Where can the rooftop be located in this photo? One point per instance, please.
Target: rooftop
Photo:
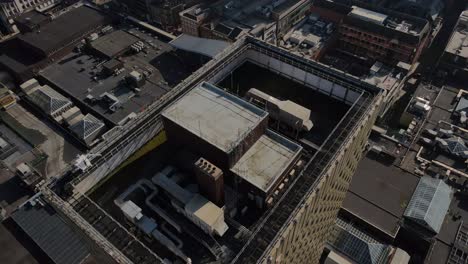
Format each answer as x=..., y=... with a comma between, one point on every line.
x=233, y=19
x=83, y=76
x=430, y=203
x=87, y=126
x=378, y=194
x=267, y=160
x=58, y=33
x=216, y=116
x=49, y=100
x=113, y=43
x=404, y=27
x=358, y=245
x=458, y=43
x=368, y=15
x=11, y=242
x=207, y=47
x=421, y=8
x=264, y=232
x=286, y=5
x=206, y=211
x=32, y=19
x=51, y=233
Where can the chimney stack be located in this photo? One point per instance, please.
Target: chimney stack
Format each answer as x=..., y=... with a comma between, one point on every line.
x=210, y=181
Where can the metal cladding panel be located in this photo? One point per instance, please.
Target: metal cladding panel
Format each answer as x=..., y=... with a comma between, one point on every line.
x=52, y=234
x=312, y=79
x=274, y=64
x=286, y=68
x=325, y=86
x=352, y=96
x=299, y=74
x=339, y=91
x=115, y=160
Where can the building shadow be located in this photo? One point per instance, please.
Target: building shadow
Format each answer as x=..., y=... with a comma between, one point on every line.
x=26, y=242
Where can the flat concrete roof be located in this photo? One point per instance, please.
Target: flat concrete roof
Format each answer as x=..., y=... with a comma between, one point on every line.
x=267, y=160
x=217, y=117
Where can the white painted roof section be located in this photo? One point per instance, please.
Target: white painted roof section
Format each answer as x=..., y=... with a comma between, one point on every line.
x=204, y=46
x=368, y=15
x=219, y=118
x=267, y=160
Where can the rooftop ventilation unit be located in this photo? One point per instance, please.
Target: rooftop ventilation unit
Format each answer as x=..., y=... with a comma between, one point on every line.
x=294, y=115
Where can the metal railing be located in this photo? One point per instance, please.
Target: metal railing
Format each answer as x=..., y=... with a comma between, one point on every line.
x=84, y=225
x=130, y=235
x=152, y=116
x=274, y=223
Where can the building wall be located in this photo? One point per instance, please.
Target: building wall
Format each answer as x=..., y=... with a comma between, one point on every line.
x=354, y=37
x=9, y=10
x=180, y=137
x=305, y=237
x=375, y=46
x=139, y=8
x=190, y=26
x=167, y=15
x=456, y=68
x=288, y=18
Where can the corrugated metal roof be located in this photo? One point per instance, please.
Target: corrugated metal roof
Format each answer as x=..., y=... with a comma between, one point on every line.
x=51, y=233
x=207, y=47
x=430, y=203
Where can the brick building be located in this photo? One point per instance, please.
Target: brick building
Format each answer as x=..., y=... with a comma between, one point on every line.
x=381, y=35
